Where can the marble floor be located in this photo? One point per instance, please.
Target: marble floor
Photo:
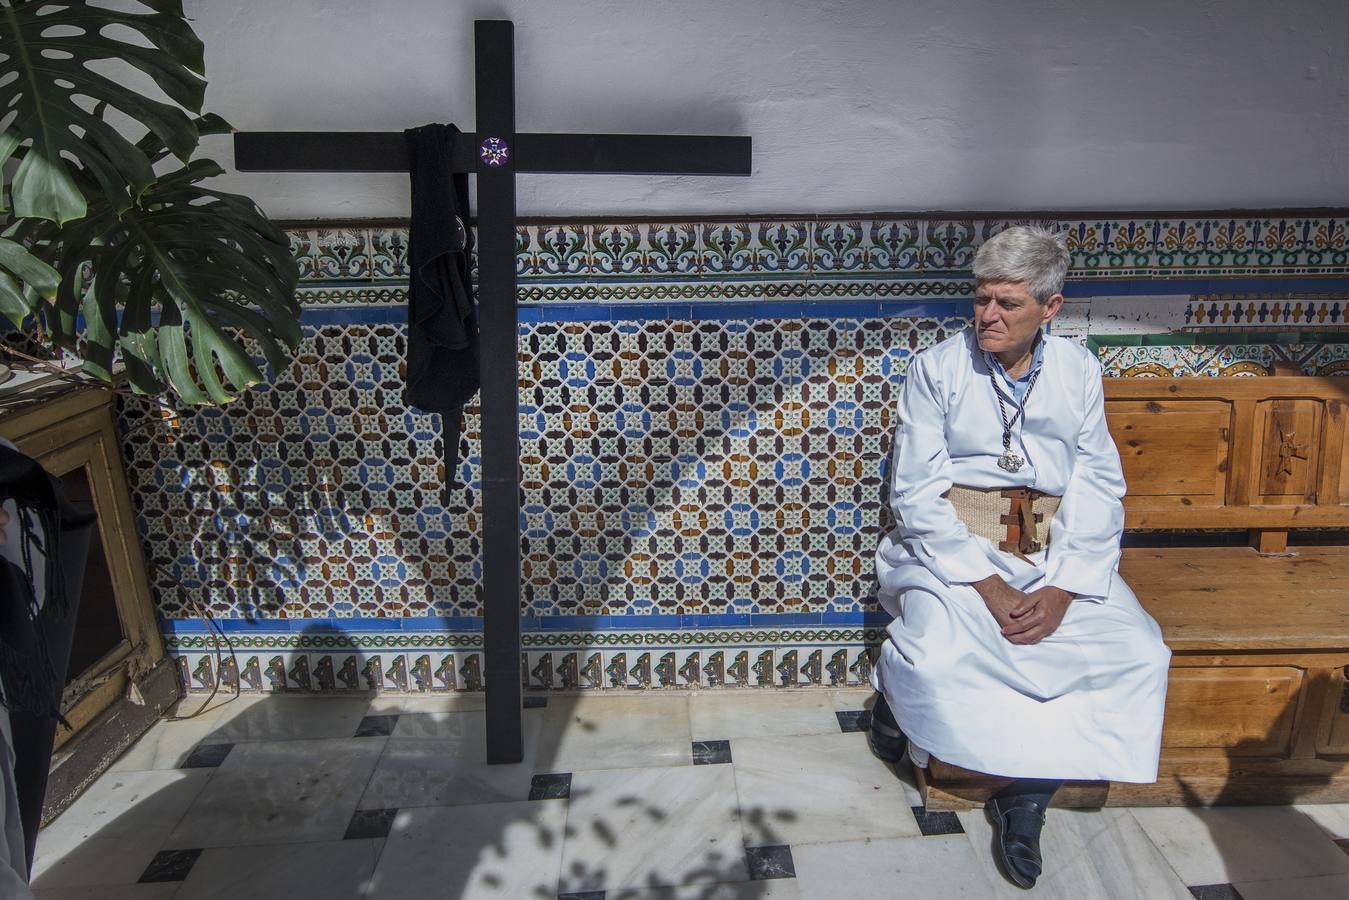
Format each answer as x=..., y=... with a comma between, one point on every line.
x=734, y=794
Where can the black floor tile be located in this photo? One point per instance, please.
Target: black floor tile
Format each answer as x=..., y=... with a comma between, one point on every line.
x=1344, y=845
x=770, y=862
x=583, y=895
x=170, y=865
x=370, y=823
x=376, y=726
x=550, y=787
x=536, y=701
x=938, y=822
x=206, y=756
x=1214, y=892
x=710, y=752
x=854, y=719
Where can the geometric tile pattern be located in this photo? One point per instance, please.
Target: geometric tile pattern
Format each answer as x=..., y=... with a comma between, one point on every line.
x=667, y=467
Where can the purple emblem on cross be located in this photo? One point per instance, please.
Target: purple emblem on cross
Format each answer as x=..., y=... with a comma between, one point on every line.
x=494, y=151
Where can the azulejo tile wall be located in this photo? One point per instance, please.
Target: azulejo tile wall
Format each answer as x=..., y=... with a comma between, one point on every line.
x=705, y=410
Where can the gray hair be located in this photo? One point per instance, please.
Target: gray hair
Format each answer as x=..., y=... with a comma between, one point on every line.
x=1025, y=253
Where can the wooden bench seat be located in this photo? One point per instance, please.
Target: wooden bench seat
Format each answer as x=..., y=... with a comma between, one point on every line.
x=1257, y=708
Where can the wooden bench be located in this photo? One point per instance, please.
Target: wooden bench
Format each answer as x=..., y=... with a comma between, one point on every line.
x=1258, y=705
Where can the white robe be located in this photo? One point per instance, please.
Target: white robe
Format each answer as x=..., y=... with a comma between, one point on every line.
x=1084, y=703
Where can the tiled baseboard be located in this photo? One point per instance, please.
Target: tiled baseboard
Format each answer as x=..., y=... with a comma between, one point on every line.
x=444, y=663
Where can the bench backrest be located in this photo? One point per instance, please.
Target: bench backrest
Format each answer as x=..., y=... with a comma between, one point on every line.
x=1257, y=453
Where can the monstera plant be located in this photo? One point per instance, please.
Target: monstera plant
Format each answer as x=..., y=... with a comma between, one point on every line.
x=115, y=250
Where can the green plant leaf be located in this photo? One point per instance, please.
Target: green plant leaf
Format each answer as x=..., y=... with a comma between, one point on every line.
x=29, y=269
x=209, y=264
x=43, y=73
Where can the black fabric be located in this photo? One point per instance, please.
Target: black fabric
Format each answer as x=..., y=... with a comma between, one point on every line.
x=35, y=642
x=30, y=681
x=443, y=354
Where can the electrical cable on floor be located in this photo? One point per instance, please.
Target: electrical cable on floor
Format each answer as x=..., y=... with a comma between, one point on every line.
x=214, y=629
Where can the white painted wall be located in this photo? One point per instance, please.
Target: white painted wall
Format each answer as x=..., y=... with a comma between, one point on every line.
x=853, y=106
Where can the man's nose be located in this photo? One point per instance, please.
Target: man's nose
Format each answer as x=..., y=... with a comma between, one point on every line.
x=988, y=314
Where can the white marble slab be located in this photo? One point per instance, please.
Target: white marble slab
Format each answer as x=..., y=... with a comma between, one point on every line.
x=1332, y=817
x=446, y=702
x=1323, y=887
x=1087, y=854
x=772, y=889
x=498, y=850
x=853, y=698
x=722, y=715
x=440, y=759
x=940, y=866
x=333, y=870
x=282, y=717
x=161, y=891
x=112, y=831
x=657, y=827
x=1241, y=843
x=582, y=732
x=171, y=740
x=280, y=792
x=818, y=788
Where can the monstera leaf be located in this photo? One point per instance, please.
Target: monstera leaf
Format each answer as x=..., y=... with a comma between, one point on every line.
x=190, y=269
x=49, y=86
x=108, y=259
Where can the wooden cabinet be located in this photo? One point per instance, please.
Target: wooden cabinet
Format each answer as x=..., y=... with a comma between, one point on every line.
x=73, y=435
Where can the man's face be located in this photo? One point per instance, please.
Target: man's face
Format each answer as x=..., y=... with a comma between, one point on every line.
x=1007, y=315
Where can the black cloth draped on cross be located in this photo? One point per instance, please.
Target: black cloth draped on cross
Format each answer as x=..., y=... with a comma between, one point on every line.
x=442, y=360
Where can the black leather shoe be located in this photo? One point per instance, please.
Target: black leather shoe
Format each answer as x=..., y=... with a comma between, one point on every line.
x=1016, y=831
x=887, y=742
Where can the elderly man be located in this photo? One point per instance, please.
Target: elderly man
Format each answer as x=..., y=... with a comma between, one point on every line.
x=1016, y=649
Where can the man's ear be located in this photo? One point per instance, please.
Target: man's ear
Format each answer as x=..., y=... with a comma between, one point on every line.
x=1051, y=309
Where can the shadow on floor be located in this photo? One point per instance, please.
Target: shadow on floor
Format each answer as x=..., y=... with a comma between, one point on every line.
x=368, y=796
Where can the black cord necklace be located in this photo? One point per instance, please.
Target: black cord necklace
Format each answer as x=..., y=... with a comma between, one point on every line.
x=1009, y=461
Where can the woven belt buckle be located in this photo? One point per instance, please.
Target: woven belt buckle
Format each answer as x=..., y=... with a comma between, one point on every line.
x=1020, y=519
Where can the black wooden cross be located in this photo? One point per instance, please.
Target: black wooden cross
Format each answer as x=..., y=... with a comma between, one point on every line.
x=495, y=153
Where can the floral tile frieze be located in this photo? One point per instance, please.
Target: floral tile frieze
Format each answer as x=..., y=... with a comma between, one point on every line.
x=855, y=247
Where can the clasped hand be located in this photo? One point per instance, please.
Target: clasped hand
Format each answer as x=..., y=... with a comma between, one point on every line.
x=1025, y=618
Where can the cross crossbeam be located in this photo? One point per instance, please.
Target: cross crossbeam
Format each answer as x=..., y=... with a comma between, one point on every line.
x=495, y=153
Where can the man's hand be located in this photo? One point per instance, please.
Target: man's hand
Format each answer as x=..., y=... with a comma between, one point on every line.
x=1038, y=616
x=1001, y=599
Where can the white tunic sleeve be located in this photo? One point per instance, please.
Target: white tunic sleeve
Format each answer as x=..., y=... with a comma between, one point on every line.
x=1084, y=549
x=921, y=474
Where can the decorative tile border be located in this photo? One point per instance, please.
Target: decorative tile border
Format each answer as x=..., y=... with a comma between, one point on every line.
x=1233, y=311
x=1221, y=354
x=449, y=663
x=1102, y=248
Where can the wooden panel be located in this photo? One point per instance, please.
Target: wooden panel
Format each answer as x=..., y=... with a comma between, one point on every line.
x=1243, y=711
x=1334, y=487
x=1183, y=515
x=1289, y=442
x=1203, y=388
x=1337, y=732
x=1232, y=598
x=1172, y=449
